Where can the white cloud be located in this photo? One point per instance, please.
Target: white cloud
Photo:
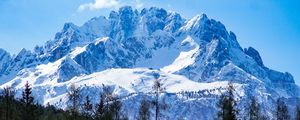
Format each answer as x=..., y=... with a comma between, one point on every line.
x=99, y=4
x=138, y=4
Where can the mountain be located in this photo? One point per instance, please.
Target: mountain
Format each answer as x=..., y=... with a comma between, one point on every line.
x=5, y=59
x=194, y=59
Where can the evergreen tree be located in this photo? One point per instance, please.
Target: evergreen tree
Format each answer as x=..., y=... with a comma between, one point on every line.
x=297, y=117
x=103, y=111
x=100, y=112
x=87, y=108
x=115, y=109
x=282, y=112
x=109, y=106
x=227, y=105
x=49, y=113
x=25, y=109
x=2, y=114
x=74, y=97
x=144, y=112
x=254, y=109
x=8, y=98
x=10, y=108
x=28, y=104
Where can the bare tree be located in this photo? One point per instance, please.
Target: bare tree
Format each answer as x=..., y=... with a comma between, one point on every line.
x=74, y=97
x=158, y=89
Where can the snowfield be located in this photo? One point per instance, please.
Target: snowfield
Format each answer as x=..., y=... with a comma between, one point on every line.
x=127, y=81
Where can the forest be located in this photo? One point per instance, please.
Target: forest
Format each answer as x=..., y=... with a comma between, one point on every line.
x=110, y=107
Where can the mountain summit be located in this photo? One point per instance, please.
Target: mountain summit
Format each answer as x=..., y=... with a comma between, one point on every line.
x=126, y=50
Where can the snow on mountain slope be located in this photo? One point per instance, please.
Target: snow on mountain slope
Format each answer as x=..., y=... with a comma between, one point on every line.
x=25, y=59
x=198, y=56
x=50, y=73
x=186, y=56
x=127, y=82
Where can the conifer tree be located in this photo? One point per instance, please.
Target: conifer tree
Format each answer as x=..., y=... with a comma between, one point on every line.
x=49, y=113
x=87, y=108
x=297, y=117
x=100, y=108
x=144, y=110
x=8, y=97
x=254, y=109
x=28, y=104
x=282, y=112
x=109, y=106
x=115, y=108
x=2, y=114
x=227, y=105
x=103, y=111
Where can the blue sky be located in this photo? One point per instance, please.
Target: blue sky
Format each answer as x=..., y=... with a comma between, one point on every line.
x=270, y=26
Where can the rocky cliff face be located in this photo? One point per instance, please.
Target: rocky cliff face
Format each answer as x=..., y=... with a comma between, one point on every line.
x=5, y=59
x=197, y=51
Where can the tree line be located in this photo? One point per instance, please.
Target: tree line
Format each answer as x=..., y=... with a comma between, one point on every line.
x=25, y=108
x=228, y=109
x=109, y=106
x=79, y=107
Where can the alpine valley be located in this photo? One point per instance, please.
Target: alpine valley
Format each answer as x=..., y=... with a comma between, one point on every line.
x=194, y=59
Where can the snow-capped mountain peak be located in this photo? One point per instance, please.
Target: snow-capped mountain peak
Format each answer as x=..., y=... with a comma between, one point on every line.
x=124, y=51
